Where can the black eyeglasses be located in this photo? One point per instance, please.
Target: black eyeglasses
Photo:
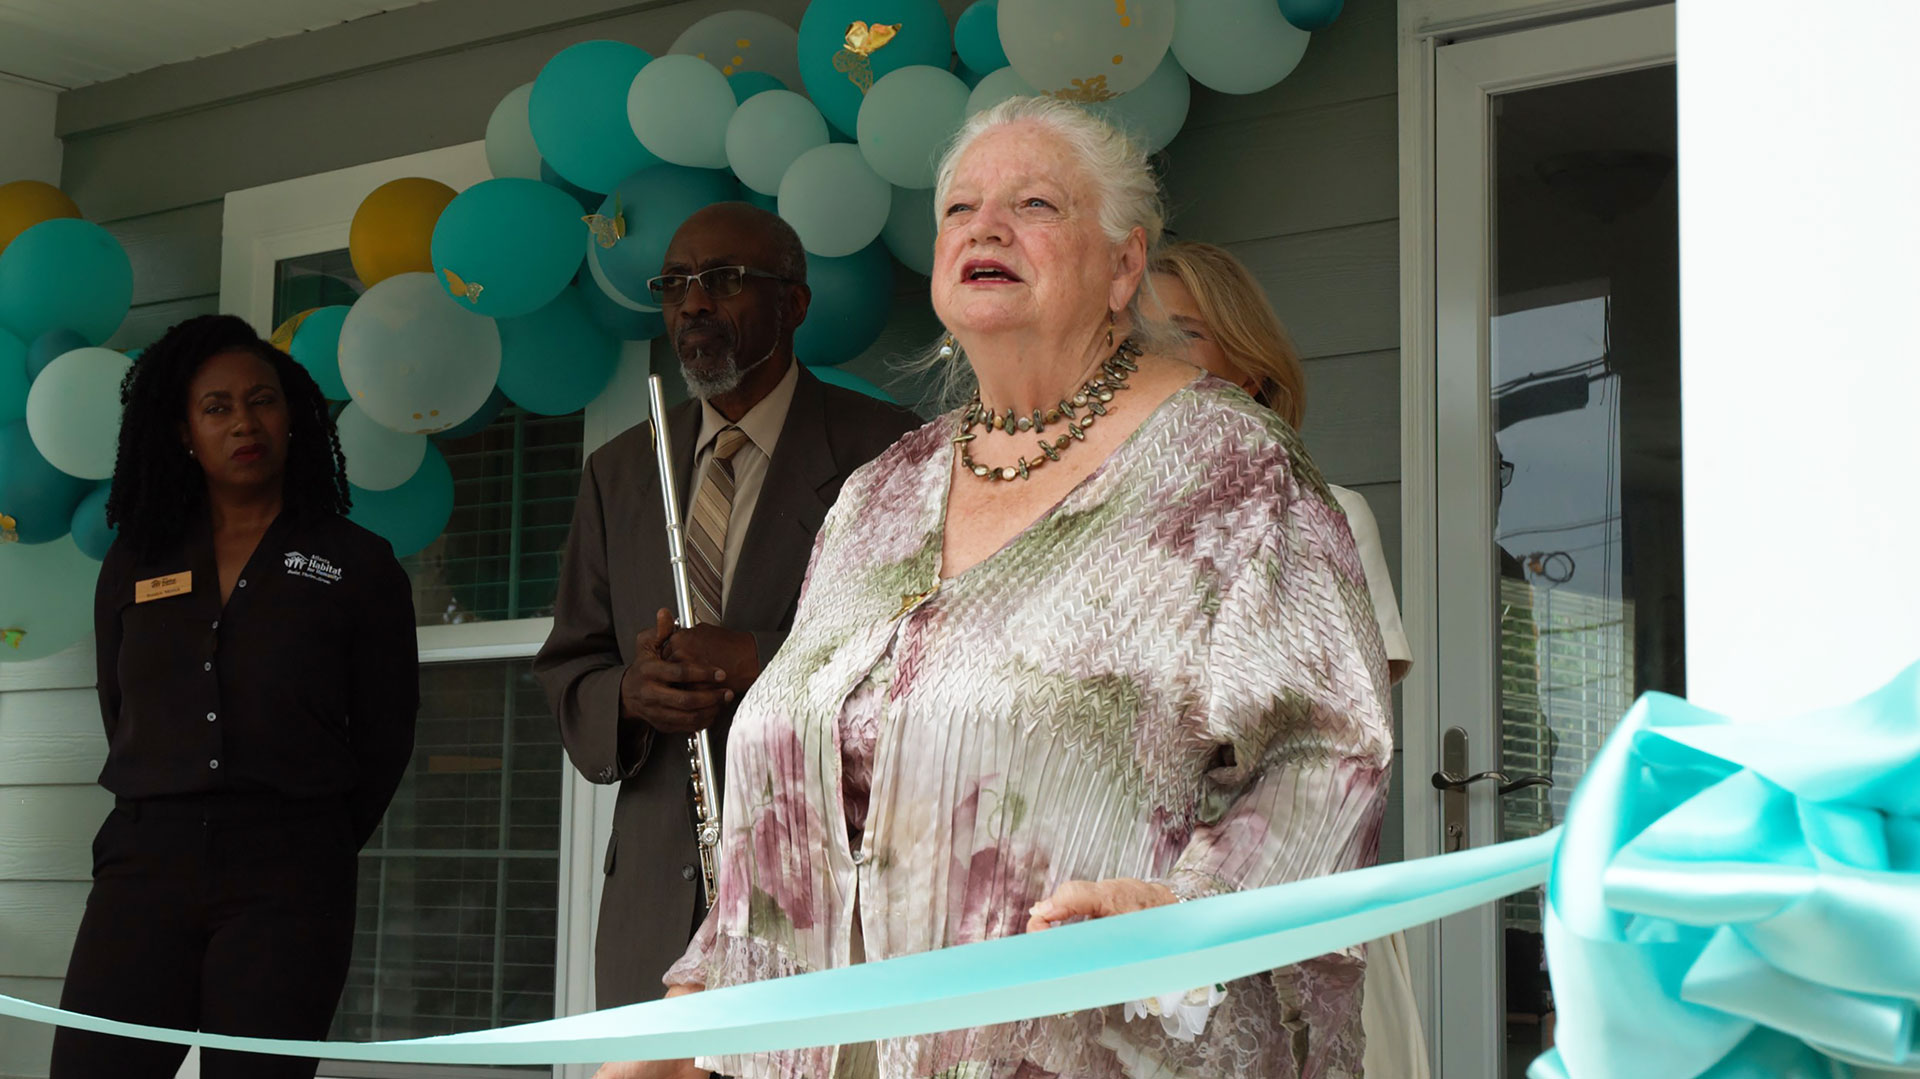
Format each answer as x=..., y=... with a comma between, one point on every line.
x=719, y=282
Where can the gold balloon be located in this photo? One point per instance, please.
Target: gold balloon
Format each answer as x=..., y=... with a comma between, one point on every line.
x=26, y=203
x=392, y=231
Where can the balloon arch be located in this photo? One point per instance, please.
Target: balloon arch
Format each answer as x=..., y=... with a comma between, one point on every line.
x=522, y=287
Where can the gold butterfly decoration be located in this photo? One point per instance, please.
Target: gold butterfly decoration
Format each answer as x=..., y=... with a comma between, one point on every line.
x=464, y=290
x=13, y=635
x=864, y=40
x=9, y=529
x=608, y=231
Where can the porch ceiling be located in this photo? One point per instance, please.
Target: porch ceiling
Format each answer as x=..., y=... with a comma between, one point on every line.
x=69, y=43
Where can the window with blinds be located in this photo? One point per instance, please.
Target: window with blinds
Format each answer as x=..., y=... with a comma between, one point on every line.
x=459, y=888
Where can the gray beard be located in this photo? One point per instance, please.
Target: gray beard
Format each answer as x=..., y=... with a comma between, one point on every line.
x=726, y=374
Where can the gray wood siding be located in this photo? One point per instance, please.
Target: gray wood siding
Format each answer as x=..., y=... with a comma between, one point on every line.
x=1299, y=181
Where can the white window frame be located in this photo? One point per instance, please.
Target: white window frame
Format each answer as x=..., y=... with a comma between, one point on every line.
x=308, y=215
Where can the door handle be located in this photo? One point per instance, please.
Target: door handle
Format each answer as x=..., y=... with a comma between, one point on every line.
x=1452, y=781
x=1447, y=781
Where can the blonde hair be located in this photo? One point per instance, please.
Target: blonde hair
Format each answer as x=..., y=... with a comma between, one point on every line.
x=1242, y=322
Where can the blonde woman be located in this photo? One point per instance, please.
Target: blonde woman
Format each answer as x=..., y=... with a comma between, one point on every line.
x=1233, y=333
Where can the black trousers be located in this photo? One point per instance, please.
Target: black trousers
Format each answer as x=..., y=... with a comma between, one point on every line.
x=232, y=915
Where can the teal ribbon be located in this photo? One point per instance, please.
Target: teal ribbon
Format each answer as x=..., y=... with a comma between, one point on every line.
x=1740, y=899
x=1074, y=967
x=1729, y=901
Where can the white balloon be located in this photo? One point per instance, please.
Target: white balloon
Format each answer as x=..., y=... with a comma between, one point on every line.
x=73, y=411
x=834, y=200
x=911, y=229
x=510, y=148
x=1154, y=111
x=907, y=118
x=998, y=86
x=1086, y=50
x=378, y=458
x=1237, y=46
x=736, y=41
x=768, y=132
x=414, y=359
x=679, y=107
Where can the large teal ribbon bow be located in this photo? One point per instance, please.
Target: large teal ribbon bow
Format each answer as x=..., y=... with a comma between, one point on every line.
x=1740, y=899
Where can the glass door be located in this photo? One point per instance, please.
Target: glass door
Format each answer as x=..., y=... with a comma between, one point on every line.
x=1557, y=423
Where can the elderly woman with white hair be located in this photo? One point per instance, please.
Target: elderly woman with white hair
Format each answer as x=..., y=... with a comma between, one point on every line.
x=1097, y=641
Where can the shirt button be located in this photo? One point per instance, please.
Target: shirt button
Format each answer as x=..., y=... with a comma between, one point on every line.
x=860, y=858
x=213, y=764
x=686, y=872
x=207, y=666
x=216, y=623
x=243, y=582
x=210, y=717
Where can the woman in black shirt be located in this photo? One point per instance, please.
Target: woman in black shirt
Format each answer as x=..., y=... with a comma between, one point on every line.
x=258, y=679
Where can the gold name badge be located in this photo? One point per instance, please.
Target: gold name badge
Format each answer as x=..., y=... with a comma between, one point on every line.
x=173, y=584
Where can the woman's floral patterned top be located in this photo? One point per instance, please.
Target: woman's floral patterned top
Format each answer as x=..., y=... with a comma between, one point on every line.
x=1174, y=674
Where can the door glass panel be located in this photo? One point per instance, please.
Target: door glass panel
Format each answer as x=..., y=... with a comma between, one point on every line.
x=1585, y=350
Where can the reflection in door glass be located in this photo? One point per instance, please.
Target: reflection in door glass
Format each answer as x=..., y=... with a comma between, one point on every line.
x=1586, y=407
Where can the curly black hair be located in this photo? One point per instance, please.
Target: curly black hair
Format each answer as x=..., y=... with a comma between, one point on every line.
x=157, y=488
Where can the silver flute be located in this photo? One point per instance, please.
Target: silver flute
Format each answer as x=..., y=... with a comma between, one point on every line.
x=706, y=796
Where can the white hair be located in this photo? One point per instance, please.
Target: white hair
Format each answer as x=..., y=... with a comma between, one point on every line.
x=1126, y=195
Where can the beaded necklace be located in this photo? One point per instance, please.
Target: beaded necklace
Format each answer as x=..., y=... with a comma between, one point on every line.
x=1093, y=396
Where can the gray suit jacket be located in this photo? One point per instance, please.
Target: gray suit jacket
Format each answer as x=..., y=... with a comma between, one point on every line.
x=614, y=577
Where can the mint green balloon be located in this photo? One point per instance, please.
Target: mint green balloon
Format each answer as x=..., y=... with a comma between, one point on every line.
x=768, y=132
x=1153, y=112
x=46, y=594
x=911, y=229
x=998, y=86
x=834, y=200
x=1237, y=46
x=511, y=150
x=907, y=119
x=679, y=107
x=73, y=411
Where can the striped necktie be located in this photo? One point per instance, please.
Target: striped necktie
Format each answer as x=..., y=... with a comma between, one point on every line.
x=707, y=527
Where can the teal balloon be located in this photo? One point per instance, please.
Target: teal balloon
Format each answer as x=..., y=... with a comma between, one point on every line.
x=14, y=380
x=829, y=70
x=412, y=515
x=1153, y=112
x=477, y=422
x=655, y=202
x=911, y=229
x=91, y=533
x=39, y=497
x=578, y=113
x=976, y=36
x=621, y=323
x=852, y=297
x=834, y=200
x=511, y=150
x=316, y=347
x=46, y=592
x=506, y=248
x=588, y=200
x=969, y=76
x=1236, y=46
x=767, y=135
x=49, y=347
x=65, y=274
x=906, y=122
x=679, y=107
x=846, y=380
x=557, y=359
x=1311, y=15
x=748, y=83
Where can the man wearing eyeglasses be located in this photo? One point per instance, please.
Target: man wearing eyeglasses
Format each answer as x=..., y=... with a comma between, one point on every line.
x=763, y=448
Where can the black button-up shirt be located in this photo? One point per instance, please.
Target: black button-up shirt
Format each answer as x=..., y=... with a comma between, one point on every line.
x=305, y=685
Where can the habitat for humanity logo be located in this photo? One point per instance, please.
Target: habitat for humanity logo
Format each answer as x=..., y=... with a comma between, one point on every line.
x=312, y=567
